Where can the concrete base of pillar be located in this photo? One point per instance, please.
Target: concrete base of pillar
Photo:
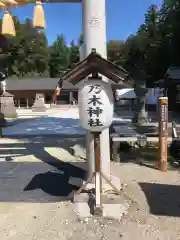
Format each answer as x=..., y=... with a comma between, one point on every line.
x=83, y=208
x=106, y=187
x=115, y=181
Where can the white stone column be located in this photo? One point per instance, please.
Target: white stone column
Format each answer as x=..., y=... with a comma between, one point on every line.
x=27, y=103
x=89, y=136
x=19, y=103
x=94, y=33
x=70, y=97
x=82, y=52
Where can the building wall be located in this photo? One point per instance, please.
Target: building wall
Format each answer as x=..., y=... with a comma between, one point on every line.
x=27, y=97
x=128, y=93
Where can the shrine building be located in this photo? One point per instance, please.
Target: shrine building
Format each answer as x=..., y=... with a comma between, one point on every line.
x=25, y=89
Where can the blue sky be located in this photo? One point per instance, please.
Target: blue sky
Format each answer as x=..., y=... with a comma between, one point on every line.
x=123, y=18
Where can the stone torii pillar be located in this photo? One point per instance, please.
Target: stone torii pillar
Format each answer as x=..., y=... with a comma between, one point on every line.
x=94, y=33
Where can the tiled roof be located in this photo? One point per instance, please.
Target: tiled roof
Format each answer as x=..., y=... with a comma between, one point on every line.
x=35, y=84
x=22, y=84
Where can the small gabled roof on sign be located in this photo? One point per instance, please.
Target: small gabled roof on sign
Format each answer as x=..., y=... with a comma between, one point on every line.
x=95, y=63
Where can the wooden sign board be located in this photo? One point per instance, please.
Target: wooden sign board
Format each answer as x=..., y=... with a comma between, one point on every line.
x=163, y=133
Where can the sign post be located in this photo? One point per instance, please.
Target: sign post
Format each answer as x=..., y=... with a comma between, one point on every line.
x=98, y=180
x=95, y=100
x=163, y=133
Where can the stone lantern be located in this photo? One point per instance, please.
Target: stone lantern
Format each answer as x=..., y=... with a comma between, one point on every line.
x=140, y=116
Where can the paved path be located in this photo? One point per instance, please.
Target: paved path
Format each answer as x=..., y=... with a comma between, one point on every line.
x=54, y=122
x=36, y=186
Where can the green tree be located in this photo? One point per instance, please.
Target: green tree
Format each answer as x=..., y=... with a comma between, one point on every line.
x=115, y=52
x=81, y=40
x=28, y=51
x=140, y=53
x=73, y=54
x=58, y=57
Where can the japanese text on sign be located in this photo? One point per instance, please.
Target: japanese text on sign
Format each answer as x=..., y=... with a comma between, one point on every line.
x=94, y=103
x=163, y=149
x=164, y=113
x=94, y=22
x=163, y=133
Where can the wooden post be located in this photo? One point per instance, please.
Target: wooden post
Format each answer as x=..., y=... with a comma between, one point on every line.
x=163, y=133
x=98, y=179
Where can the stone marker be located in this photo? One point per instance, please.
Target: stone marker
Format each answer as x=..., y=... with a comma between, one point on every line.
x=7, y=105
x=39, y=105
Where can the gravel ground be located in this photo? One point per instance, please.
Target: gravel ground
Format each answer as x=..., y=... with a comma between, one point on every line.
x=33, y=200
x=35, y=194
x=40, y=212
x=156, y=210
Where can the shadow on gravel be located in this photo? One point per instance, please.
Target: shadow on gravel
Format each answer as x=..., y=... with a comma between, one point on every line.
x=55, y=183
x=47, y=180
x=163, y=199
x=58, y=184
